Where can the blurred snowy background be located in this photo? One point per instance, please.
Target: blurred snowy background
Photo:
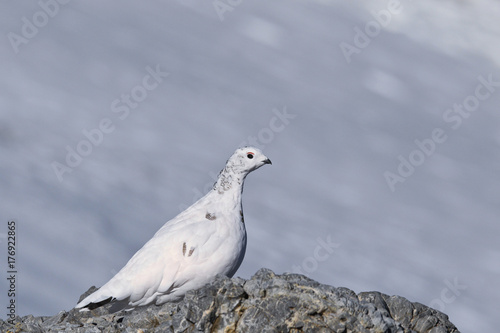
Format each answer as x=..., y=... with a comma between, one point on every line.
x=335, y=92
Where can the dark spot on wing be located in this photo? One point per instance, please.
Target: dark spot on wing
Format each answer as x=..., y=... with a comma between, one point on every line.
x=184, y=248
x=210, y=217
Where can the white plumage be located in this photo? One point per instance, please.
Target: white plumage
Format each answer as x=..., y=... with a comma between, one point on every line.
x=206, y=239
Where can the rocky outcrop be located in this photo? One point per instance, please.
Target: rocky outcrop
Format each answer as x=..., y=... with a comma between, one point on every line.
x=265, y=303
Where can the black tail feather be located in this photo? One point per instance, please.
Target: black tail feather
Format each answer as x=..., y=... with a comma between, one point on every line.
x=92, y=306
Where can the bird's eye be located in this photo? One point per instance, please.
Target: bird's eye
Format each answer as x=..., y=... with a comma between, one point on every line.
x=250, y=155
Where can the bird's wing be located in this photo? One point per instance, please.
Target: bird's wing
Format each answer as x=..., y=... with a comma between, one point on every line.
x=158, y=267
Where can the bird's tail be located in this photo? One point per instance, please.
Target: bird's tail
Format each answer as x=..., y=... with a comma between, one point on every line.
x=99, y=298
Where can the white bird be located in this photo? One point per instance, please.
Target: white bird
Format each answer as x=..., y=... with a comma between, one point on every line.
x=206, y=239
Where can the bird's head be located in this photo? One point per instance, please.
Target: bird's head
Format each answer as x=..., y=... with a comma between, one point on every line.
x=247, y=159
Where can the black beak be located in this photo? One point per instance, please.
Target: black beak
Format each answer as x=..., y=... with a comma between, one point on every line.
x=267, y=161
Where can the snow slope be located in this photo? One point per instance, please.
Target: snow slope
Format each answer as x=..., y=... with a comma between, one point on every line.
x=168, y=83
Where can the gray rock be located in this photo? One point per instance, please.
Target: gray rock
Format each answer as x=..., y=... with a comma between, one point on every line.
x=265, y=303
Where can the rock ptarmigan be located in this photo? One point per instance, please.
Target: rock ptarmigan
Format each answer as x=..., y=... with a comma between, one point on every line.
x=206, y=239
